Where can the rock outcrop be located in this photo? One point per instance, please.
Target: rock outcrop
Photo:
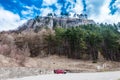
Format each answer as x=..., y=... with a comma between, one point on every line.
x=52, y=22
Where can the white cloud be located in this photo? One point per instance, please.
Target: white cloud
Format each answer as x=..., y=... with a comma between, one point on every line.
x=105, y=15
x=31, y=7
x=49, y=2
x=75, y=7
x=58, y=11
x=9, y=20
x=93, y=6
x=26, y=12
x=78, y=7
x=29, y=12
x=117, y=4
x=45, y=11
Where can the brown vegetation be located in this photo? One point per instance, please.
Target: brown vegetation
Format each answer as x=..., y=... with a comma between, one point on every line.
x=25, y=44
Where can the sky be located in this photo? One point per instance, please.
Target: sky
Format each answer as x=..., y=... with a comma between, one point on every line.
x=14, y=13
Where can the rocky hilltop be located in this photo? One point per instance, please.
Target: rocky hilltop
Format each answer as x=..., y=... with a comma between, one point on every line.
x=52, y=22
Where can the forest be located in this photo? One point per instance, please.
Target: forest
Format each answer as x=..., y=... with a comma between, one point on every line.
x=86, y=42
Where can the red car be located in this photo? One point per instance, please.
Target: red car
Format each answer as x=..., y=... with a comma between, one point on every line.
x=59, y=71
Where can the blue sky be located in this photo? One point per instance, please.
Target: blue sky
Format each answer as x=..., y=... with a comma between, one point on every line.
x=15, y=12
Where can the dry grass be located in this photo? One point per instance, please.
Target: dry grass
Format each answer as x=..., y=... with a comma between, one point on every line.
x=56, y=62
x=10, y=50
x=24, y=44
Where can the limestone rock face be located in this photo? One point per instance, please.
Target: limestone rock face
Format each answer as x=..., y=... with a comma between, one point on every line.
x=52, y=22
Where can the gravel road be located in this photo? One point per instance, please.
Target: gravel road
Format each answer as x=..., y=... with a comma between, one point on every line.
x=76, y=76
x=19, y=72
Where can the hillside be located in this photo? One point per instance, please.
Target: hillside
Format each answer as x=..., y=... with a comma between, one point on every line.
x=84, y=42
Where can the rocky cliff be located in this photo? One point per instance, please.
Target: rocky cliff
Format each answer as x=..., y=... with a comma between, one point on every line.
x=52, y=22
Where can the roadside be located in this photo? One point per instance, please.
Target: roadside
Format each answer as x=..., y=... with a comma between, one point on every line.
x=76, y=76
x=9, y=68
